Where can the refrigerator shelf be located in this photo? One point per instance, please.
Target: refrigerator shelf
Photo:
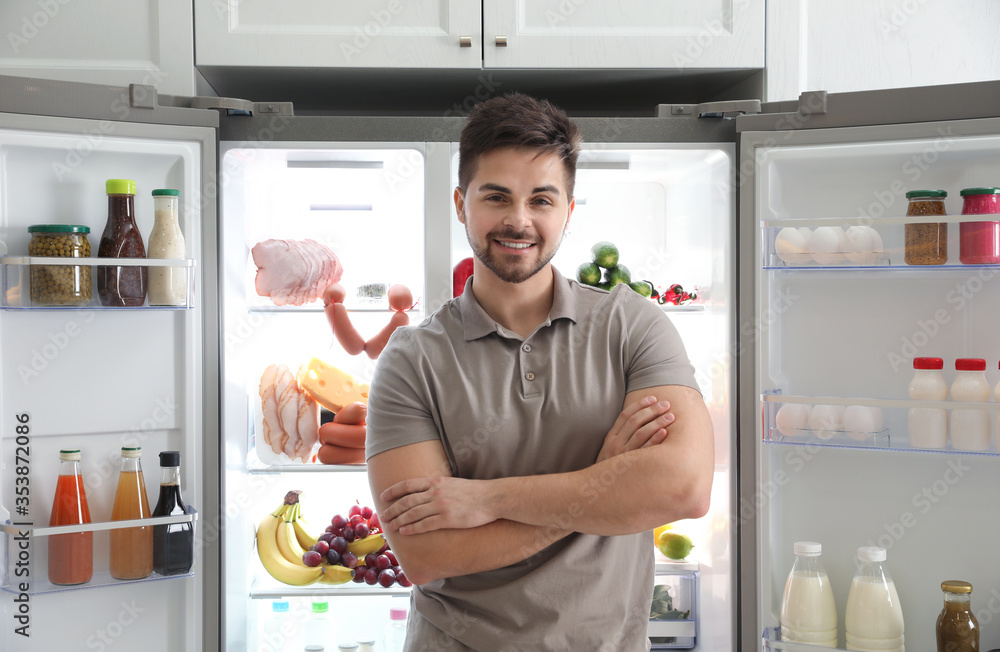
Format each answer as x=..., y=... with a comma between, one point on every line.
x=771, y=640
x=16, y=278
x=347, y=590
x=23, y=551
x=884, y=428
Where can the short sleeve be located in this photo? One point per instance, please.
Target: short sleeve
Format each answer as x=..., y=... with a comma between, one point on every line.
x=399, y=411
x=656, y=353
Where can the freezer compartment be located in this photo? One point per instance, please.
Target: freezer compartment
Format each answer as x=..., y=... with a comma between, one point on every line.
x=673, y=622
x=880, y=423
x=35, y=282
x=26, y=553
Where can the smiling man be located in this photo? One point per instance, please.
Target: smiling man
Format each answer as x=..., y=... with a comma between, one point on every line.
x=525, y=438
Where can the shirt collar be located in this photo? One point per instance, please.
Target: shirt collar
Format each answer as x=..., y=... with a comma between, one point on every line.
x=478, y=324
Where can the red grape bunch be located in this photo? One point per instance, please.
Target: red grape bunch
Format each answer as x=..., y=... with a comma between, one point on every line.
x=342, y=540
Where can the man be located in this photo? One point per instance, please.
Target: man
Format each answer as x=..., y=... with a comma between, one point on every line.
x=517, y=438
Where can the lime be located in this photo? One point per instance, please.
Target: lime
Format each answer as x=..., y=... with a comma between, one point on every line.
x=662, y=528
x=619, y=274
x=605, y=286
x=605, y=254
x=642, y=287
x=674, y=545
x=588, y=274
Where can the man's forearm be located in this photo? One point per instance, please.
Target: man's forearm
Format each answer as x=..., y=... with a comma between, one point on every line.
x=448, y=553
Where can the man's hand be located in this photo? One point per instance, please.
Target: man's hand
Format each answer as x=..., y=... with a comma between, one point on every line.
x=421, y=505
x=640, y=424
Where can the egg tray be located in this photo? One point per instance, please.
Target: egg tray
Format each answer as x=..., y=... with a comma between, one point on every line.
x=876, y=439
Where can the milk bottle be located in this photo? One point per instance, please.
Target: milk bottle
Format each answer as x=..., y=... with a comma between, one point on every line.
x=970, y=429
x=874, y=618
x=928, y=427
x=808, y=611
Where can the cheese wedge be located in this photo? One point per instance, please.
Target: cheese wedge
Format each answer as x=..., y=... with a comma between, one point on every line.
x=331, y=387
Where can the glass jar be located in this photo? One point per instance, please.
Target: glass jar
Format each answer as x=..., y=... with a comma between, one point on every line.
x=926, y=241
x=980, y=241
x=957, y=627
x=60, y=285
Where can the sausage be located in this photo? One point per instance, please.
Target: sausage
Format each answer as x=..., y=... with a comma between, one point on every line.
x=346, y=334
x=331, y=316
x=353, y=413
x=329, y=454
x=343, y=434
x=400, y=297
x=334, y=293
x=374, y=346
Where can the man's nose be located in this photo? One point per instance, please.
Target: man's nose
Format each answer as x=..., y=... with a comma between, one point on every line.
x=518, y=216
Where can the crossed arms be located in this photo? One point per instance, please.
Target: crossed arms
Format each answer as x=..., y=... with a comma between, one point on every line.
x=440, y=526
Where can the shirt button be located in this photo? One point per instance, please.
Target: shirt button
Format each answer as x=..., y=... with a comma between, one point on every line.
x=529, y=376
x=526, y=348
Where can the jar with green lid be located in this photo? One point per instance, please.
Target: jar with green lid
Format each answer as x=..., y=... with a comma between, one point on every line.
x=59, y=285
x=979, y=242
x=926, y=240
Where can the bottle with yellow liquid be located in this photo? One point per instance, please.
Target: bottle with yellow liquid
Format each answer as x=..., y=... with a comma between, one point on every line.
x=131, y=548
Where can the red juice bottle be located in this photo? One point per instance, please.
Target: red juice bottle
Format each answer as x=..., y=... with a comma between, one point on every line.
x=71, y=556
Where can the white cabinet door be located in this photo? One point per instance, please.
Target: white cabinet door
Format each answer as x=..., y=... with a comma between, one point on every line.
x=113, y=43
x=339, y=34
x=623, y=34
x=858, y=45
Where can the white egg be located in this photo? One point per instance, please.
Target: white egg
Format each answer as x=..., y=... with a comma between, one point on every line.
x=828, y=244
x=792, y=245
x=826, y=421
x=792, y=419
x=876, y=240
x=859, y=422
x=859, y=245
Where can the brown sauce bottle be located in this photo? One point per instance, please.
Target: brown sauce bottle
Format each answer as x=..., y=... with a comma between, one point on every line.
x=957, y=628
x=121, y=286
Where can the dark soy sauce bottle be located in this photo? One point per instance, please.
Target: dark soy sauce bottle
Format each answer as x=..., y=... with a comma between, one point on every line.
x=173, y=545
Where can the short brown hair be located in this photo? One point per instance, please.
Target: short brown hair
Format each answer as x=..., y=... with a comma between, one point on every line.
x=517, y=120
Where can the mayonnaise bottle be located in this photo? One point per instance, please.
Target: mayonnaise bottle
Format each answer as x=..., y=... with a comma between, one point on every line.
x=928, y=426
x=167, y=285
x=874, y=617
x=808, y=611
x=970, y=429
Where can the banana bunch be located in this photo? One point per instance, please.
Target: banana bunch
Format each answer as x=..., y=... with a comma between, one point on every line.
x=282, y=540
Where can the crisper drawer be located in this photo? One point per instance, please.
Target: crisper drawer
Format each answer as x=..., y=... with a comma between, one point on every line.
x=673, y=622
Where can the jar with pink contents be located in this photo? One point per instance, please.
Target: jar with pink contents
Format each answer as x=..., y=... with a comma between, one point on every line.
x=980, y=241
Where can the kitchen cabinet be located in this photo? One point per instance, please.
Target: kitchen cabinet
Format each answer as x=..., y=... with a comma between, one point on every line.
x=113, y=43
x=494, y=34
x=866, y=45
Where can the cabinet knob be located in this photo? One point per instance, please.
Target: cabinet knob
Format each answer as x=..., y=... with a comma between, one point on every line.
x=501, y=41
x=465, y=41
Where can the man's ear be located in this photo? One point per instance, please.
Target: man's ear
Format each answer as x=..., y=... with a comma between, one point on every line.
x=459, y=205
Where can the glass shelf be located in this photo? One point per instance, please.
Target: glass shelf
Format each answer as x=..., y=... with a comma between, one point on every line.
x=274, y=590
x=885, y=427
x=771, y=640
x=16, y=279
x=26, y=543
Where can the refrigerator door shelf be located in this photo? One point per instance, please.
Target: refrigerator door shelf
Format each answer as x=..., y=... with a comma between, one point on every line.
x=25, y=544
x=875, y=424
x=17, y=272
x=673, y=622
x=771, y=640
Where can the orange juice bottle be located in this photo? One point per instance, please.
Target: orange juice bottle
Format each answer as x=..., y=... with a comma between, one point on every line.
x=131, y=548
x=71, y=556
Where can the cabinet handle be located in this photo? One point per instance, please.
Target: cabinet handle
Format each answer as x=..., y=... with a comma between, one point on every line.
x=501, y=41
x=465, y=41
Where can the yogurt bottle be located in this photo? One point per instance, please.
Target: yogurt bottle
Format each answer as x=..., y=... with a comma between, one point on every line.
x=928, y=426
x=874, y=617
x=808, y=611
x=970, y=429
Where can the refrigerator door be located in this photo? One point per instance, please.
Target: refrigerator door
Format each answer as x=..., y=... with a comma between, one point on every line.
x=378, y=193
x=835, y=302
x=95, y=378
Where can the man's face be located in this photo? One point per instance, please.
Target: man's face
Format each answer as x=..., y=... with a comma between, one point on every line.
x=515, y=211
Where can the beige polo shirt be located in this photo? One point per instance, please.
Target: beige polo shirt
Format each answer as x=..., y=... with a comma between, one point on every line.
x=505, y=406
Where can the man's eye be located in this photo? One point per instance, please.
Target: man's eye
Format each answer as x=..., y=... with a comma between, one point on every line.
x=543, y=201
x=494, y=197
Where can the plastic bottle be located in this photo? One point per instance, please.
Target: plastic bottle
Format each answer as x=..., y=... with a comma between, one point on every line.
x=167, y=285
x=808, y=611
x=277, y=631
x=319, y=628
x=131, y=548
x=996, y=393
x=957, y=627
x=71, y=556
x=970, y=429
x=874, y=618
x=121, y=286
x=394, y=635
x=928, y=426
x=173, y=545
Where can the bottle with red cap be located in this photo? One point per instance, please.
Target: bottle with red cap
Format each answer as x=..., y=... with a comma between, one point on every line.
x=970, y=429
x=928, y=426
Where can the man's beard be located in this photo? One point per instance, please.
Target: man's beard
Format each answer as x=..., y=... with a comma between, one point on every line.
x=510, y=273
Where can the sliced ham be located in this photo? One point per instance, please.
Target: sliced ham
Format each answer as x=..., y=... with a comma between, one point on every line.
x=290, y=416
x=294, y=272
x=269, y=409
